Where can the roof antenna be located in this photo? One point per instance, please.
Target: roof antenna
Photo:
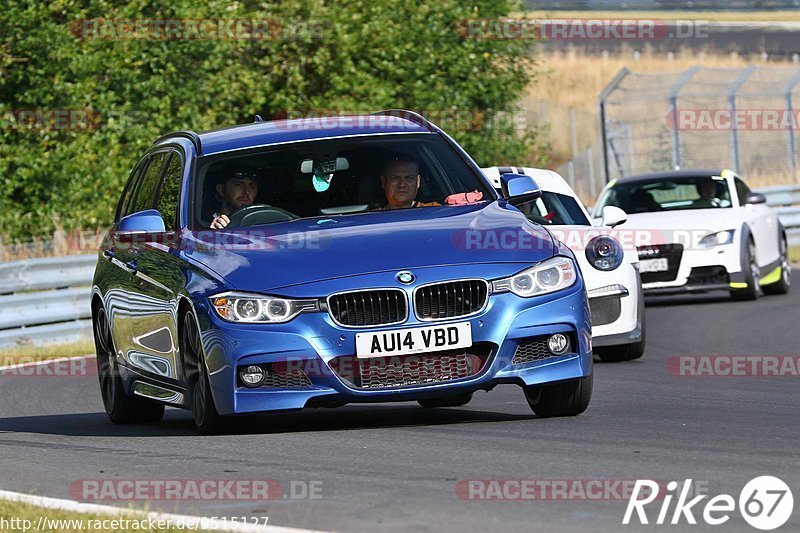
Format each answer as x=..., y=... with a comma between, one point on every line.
x=258, y=119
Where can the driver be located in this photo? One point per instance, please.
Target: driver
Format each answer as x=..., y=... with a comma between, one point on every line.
x=238, y=190
x=400, y=182
x=708, y=194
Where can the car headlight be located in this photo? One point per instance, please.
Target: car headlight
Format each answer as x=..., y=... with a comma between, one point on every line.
x=256, y=308
x=548, y=276
x=605, y=253
x=715, y=239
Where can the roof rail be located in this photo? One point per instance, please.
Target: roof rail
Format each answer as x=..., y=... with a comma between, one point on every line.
x=186, y=134
x=408, y=115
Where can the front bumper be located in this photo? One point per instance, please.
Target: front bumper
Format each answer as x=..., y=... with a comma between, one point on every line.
x=615, y=299
x=701, y=270
x=313, y=341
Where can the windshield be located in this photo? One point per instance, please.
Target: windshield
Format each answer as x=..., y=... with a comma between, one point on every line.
x=334, y=177
x=701, y=192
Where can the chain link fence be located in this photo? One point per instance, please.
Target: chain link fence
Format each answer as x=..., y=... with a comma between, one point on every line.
x=745, y=119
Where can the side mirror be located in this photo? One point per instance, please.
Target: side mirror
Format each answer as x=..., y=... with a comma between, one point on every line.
x=148, y=221
x=755, y=198
x=519, y=188
x=613, y=216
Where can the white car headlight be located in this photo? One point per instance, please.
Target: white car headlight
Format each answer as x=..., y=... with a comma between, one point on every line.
x=548, y=276
x=259, y=309
x=718, y=238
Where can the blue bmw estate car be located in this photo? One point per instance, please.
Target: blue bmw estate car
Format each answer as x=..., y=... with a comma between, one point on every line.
x=313, y=263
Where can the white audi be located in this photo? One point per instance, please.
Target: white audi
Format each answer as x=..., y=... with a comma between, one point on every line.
x=702, y=230
x=610, y=270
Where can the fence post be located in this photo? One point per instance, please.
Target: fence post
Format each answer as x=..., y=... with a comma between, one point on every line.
x=732, y=91
x=601, y=104
x=590, y=158
x=790, y=109
x=673, y=110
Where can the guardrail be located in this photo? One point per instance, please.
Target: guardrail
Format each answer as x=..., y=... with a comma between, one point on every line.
x=45, y=301
x=785, y=199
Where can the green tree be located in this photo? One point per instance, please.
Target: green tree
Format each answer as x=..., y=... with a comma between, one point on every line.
x=317, y=55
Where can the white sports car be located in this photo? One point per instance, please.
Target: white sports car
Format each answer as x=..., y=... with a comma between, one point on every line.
x=610, y=271
x=702, y=230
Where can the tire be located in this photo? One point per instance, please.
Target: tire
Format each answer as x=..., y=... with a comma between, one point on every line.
x=785, y=284
x=206, y=417
x=570, y=398
x=622, y=352
x=451, y=401
x=752, y=276
x=120, y=408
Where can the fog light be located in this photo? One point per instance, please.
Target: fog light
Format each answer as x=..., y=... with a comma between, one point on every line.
x=558, y=344
x=252, y=375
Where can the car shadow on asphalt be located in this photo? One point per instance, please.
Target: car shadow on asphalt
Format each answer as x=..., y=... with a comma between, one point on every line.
x=688, y=299
x=179, y=423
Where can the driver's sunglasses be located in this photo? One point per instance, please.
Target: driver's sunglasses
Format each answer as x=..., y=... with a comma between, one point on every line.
x=245, y=174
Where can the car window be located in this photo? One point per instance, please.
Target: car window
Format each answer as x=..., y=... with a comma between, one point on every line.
x=169, y=191
x=553, y=209
x=665, y=194
x=742, y=190
x=333, y=177
x=147, y=187
x=130, y=187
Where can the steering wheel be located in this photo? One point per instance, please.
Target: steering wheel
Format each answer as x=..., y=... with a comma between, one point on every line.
x=252, y=215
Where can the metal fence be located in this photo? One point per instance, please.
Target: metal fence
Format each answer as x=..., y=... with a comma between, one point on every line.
x=45, y=301
x=745, y=119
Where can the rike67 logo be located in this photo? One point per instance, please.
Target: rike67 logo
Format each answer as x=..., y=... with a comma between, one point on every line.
x=766, y=503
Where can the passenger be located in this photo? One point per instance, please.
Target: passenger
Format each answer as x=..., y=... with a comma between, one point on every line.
x=641, y=201
x=237, y=191
x=400, y=181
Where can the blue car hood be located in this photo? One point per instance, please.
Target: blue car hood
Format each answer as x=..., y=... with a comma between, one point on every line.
x=269, y=257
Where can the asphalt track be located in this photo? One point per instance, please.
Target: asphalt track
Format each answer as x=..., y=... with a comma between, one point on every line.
x=396, y=467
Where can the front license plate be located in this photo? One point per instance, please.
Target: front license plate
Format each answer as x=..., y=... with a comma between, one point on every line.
x=414, y=340
x=654, y=265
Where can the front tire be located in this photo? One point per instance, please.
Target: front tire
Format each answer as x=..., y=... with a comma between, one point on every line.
x=752, y=276
x=623, y=352
x=785, y=284
x=204, y=412
x=570, y=398
x=120, y=408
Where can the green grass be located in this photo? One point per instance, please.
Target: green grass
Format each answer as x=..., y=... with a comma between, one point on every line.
x=9, y=356
x=22, y=511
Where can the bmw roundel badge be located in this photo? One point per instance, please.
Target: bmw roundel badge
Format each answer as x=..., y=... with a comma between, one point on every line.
x=405, y=277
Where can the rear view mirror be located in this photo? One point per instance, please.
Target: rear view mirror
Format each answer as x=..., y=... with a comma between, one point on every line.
x=755, y=198
x=613, y=216
x=149, y=221
x=519, y=188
